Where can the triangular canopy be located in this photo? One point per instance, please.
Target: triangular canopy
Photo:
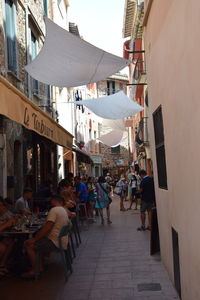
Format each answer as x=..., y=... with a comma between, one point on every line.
x=116, y=106
x=67, y=60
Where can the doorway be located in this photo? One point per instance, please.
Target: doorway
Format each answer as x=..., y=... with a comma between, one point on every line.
x=176, y=261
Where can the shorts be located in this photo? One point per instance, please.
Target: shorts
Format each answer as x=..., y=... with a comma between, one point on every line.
x=133, y=191
x=45, y=245
x=138, y=195
x=146, y=206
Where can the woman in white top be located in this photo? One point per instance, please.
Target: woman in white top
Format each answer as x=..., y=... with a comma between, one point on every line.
x=134, y=190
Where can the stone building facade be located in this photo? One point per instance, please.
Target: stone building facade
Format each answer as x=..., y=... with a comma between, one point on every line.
x=26, y=158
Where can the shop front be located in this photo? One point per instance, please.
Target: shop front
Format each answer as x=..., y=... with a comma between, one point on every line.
x=83, y=163
x=28, y=143
x=97, y=167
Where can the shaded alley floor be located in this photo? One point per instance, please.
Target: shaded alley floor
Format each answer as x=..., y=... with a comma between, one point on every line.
x=113, y=262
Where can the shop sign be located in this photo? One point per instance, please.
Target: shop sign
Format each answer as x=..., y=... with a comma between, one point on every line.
x=96, y=159
x=18, y=108
x=38, y=124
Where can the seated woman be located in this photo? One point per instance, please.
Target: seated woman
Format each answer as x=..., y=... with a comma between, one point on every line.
x=6, y=243
x=69, y=204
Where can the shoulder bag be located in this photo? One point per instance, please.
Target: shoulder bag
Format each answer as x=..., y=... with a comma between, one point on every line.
x=109, y=198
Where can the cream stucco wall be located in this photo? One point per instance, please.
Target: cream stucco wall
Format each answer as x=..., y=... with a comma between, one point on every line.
x=172, y=43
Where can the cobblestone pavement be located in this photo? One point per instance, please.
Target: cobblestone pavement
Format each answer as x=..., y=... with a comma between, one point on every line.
x=113, y=262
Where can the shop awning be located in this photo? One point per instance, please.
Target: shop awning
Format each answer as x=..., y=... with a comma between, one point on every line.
x=67, y=60
x=18, y=108
x=116, y=106
x=82, y=155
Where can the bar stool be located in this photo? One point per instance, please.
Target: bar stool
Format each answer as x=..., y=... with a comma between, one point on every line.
x=76, y=231
x=82, y=212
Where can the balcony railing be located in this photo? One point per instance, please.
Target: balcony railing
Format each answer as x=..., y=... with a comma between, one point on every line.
x=140, y=67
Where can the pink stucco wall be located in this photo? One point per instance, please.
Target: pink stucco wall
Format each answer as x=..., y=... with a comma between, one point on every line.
x=172, y=43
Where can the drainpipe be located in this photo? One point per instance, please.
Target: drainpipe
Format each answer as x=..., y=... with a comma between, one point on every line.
x=3, y=166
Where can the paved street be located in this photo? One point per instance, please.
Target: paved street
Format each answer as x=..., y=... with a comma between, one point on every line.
x=113, y=262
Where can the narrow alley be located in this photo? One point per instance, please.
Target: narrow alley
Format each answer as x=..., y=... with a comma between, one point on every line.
x=113, y=262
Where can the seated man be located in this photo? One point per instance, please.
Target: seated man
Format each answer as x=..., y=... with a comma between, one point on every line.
x=21, y=205
x=46, y=240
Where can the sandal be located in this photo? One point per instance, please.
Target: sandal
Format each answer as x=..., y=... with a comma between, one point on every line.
x=28, y=275
x=142, y=228
x=4, y=270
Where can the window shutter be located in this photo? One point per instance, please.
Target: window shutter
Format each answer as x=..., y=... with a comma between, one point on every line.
x=11, y=36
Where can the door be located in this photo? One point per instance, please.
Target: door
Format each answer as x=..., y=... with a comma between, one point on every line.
x=176, y=261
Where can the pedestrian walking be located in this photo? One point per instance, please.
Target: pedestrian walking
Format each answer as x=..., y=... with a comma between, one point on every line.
x=147, y=199
x=91, y=198
x=102, y=201
x=129, y=178
x=122, y=193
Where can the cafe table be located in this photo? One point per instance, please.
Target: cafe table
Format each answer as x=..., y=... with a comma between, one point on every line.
x=29, y=231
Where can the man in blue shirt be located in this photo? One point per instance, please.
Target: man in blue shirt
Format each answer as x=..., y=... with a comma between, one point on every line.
x=147, y=199
x=81, y=189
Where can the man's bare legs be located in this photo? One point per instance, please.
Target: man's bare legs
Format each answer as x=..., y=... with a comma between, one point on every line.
x=143, y=219
x=32, y=257
x=149, y=219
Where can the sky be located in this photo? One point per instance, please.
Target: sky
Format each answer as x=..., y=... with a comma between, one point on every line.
x=100, y=22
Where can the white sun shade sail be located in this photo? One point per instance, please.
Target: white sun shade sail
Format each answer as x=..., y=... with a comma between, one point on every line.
x=68, y=61
x=114, y=124
x=112, y=139
x=116, y=106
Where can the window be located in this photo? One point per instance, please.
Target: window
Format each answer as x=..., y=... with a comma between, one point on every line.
x=110, y=87
x=48, y=90
x=160, y=148
x=45, y=4
x=10, y=28
x=35, y=84
x=90, y=140
x=115, y=150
